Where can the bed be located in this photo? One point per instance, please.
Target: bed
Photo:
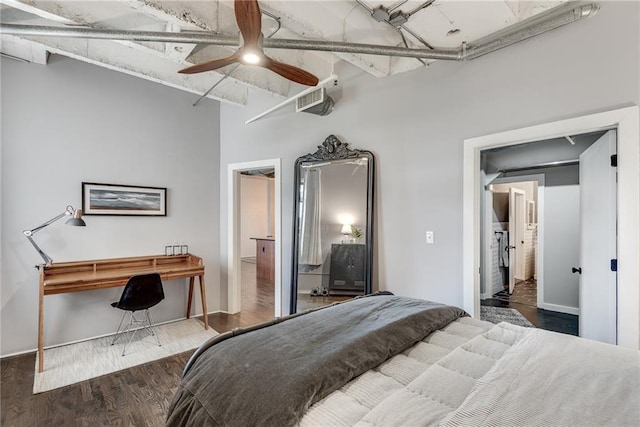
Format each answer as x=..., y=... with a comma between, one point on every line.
x=385, y=360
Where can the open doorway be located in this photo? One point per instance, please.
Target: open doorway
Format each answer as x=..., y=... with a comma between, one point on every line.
x=511, y=232
x=255, y=249
x=626, y=122
x=511, y=267
x=257, y=241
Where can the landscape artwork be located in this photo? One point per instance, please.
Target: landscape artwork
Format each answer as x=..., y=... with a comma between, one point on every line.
x=111, y=199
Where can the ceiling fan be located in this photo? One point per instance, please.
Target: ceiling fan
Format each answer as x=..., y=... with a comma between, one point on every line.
x=249, y=21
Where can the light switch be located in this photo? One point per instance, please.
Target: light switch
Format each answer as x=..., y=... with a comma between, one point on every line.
x=430, y=238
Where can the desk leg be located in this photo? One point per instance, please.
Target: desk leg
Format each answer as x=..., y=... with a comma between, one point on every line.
x=191, y=280
x=203, y=296
x=41, y=329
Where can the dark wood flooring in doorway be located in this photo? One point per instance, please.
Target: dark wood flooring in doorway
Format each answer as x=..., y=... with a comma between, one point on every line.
x=138, y=396
x=524, y=298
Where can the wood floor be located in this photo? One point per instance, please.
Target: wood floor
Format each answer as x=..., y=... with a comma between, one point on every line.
x=524, y=299
x=139, y=396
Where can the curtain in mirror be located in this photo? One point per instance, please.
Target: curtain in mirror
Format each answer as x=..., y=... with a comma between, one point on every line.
x=310, y=219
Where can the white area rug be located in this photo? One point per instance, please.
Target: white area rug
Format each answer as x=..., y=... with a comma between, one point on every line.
x=73, y=363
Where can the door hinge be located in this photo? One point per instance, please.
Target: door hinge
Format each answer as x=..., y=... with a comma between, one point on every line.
x=614, y=265
x=614, y=160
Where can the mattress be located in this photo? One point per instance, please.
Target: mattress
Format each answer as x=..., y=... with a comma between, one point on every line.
x=446, y=369
x=472, y=373
x=434, y=366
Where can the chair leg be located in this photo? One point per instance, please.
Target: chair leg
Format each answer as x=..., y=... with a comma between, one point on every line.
x=146, y=322
x=118, y=331
x=132, y=320
x=152, y=327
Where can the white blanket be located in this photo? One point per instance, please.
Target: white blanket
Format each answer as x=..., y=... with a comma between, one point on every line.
x=472, y=373
x=550, y=379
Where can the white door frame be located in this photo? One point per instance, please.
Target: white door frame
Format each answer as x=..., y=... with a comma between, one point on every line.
x=627, y=122
x=233, y=231
x=516, y=233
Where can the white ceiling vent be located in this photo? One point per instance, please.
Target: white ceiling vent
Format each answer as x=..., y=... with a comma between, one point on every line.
x=316, y=102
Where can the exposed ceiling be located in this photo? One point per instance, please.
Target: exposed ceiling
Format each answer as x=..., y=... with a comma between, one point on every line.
x=434, y=29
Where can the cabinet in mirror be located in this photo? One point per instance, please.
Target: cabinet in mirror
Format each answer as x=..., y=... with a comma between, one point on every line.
x=332, y=236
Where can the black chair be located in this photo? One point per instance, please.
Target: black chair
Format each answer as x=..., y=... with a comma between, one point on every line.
x=140, y=293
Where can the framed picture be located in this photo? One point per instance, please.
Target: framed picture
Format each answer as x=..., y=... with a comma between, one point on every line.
x=111, y=199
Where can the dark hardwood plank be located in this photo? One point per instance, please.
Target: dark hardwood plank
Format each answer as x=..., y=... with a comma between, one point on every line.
x=543, y=319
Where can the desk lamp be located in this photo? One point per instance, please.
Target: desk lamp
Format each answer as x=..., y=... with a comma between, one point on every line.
x=75, y=220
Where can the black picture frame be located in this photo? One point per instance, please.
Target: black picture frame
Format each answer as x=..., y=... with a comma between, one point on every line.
x=123, y=200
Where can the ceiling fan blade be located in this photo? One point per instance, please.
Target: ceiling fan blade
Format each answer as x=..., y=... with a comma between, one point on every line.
x=210, y=65
x=249, y=20
x=290, y=72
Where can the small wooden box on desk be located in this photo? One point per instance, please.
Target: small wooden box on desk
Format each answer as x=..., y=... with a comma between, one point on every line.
x=79, y=276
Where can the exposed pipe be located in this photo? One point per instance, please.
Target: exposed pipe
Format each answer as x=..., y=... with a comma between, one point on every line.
x=396, y=5
x=420, y=7
x=531, y=27
x=366, y=7
x=220, y=40
x=526, y=29
x=204, y=95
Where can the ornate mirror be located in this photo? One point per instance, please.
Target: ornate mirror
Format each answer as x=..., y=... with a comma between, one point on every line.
x=332, y=233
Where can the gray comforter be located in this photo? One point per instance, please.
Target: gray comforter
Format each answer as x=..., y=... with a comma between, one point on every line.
x=270, y=376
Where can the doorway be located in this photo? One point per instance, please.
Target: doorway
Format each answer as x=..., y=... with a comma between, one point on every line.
x=257, y=227
x=511, y=242
x=561, y=163
x=626, y=122
x=271, y=230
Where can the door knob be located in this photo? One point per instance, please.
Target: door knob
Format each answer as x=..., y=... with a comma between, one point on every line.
x=576, y=270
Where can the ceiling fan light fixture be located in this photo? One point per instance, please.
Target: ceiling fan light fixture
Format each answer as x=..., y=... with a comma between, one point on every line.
x=251, y=58
x=249, y=20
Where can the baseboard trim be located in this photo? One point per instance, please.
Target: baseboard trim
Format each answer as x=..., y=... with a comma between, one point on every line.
x=560, y=308
x=485, y=296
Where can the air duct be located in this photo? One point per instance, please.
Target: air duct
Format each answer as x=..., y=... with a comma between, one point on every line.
x=316, y=102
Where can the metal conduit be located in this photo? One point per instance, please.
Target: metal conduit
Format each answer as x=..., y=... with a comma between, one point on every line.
x=534, y=26
x=526, y=29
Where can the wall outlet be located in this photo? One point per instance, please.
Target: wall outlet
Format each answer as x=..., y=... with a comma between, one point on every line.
x=430, y=238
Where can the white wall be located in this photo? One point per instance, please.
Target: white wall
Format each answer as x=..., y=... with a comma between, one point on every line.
x=415, y=124
x=70, y=122
x=256, y=198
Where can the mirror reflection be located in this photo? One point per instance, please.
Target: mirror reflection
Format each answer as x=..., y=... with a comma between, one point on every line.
x=332, y=234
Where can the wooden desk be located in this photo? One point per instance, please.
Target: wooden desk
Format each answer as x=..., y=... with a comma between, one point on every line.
x=64, y=277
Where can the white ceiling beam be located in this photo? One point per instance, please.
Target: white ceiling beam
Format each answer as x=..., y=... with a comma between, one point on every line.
x=37, y=12
x=22, y=49
x=339, y=21
x=119, y=14
x=136, y=62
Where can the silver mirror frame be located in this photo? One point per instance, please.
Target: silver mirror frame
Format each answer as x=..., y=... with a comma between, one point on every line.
x=332, y=149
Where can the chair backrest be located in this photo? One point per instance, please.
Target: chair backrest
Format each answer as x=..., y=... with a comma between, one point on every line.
x=141, y=292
